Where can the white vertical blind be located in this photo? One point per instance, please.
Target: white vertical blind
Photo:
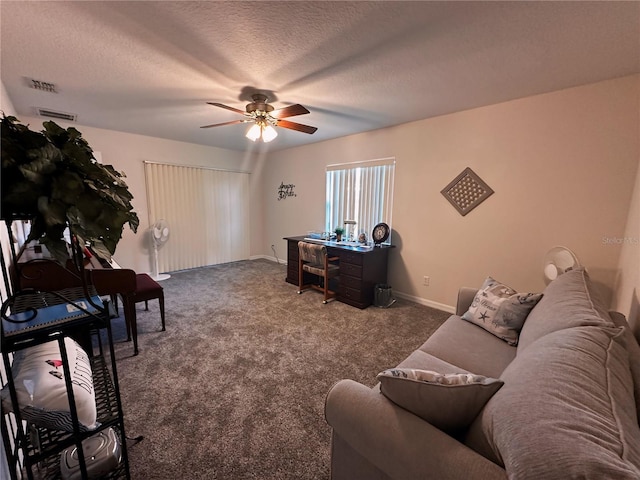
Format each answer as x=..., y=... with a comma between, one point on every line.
x=362, y=192
x=207, y=211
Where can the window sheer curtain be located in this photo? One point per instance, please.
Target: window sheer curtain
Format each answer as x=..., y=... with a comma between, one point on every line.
x=207, y=211
x=362, y=192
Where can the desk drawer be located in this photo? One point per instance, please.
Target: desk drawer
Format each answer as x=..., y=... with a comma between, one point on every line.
x=351, y=294
x=292, y=273
x=350, y=257
x=350, y=269
x=351, y=282
x=292, y=249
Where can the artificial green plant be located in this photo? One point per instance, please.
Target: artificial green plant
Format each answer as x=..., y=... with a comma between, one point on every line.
x=52, y=178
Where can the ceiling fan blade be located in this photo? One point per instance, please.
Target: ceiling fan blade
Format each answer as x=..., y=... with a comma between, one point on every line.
x=227, y=107
x=296, y=126
x=225, y=123
x=290, y=111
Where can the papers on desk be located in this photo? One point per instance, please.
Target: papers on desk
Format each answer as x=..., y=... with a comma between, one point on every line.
x=343, y=243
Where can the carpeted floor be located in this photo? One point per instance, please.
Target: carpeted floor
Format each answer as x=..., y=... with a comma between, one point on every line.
x=235, y=388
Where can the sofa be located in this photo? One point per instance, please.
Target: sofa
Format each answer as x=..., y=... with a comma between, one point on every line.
x=560, y=400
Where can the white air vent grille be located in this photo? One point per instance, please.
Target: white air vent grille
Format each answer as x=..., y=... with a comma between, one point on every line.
x=44, y=86
x=45, y=112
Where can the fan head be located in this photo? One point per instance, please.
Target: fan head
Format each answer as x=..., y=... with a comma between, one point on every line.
x=557, y=261
x=259, y=105
x=160, y=232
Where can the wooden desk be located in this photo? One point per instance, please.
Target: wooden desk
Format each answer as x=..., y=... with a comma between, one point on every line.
x=360, y=269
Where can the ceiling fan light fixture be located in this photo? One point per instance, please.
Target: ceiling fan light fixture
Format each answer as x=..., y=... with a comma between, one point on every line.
x=265, y=118
x=268, y=133
x=254, y=132
x=261, y=131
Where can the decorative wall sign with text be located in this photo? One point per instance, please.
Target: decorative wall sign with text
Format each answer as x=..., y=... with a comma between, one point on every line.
x=286, y=190
x=466, y=191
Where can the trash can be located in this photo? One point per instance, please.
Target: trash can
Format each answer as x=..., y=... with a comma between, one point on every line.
x=383, y=296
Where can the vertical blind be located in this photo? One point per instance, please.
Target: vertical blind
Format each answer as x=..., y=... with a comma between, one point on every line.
x=207, y=211
x=362, y=192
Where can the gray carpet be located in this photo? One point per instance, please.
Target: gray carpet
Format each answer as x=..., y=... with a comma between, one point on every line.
x=235, y=388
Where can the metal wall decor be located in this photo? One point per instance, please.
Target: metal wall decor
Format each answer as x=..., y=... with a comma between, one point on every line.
x=466, y=191
x=286, y=190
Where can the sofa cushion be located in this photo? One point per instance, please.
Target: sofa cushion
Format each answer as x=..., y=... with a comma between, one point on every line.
x=566, y=410
x=468, y=346
x=425, y=361
x=634, y=355
x=501, y=310
x=41, y=390
x=568, y=301
x=448, y=401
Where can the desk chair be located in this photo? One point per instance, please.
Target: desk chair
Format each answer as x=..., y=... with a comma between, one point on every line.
x=313, y=258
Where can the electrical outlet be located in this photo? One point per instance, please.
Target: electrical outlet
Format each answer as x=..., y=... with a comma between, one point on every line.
x=425, y=281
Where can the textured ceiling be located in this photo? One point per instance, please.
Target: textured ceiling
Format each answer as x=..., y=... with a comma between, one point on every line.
x=150, y=67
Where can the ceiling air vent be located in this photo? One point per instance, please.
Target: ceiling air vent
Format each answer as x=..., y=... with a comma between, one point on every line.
x=40, y=85
x=45, y=112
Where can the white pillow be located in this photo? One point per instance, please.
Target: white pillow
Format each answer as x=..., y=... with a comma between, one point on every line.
x=449, y=402
x=38, y=377
x=501, y=310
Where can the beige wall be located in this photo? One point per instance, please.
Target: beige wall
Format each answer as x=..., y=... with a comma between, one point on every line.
x=627, y=297
x=127, y=152
x=6, y=105
x=562, y=164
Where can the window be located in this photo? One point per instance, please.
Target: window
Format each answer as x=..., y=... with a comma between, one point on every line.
x=361, y=192
x=207, y=211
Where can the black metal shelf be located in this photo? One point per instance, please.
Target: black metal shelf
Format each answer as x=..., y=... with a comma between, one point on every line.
x=36, y=451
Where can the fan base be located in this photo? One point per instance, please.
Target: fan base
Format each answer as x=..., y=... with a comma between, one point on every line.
x=160, y=277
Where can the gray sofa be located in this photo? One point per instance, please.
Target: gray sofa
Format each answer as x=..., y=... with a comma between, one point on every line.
x=568, y=408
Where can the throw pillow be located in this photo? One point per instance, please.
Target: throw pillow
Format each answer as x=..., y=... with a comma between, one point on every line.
x=501, y=310
x=566, y=410
x=449, y=402
x=41, y=390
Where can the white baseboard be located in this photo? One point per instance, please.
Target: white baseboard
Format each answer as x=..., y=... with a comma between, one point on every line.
x=404, y=296
x=267, y=257
x=424, y=301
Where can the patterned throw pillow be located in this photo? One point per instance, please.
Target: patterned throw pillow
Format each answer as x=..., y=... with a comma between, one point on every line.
x=449, y=402
x=501, y=310
x=40, y=386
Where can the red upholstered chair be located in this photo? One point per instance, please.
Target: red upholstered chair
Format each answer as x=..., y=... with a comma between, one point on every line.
x=44, y=275
x=133, y=288
x=148, y=289
x=47, y=275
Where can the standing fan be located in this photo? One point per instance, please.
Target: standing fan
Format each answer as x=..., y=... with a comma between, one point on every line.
x=159, y=233
x=557, y=261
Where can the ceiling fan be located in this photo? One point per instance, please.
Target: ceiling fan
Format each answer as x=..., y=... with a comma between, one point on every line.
x=264, y=117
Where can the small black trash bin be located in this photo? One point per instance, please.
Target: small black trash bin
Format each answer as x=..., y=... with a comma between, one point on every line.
x=383, y=296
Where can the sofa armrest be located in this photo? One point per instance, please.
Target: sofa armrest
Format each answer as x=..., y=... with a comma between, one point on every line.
x=397, y=442
x=465, y=298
